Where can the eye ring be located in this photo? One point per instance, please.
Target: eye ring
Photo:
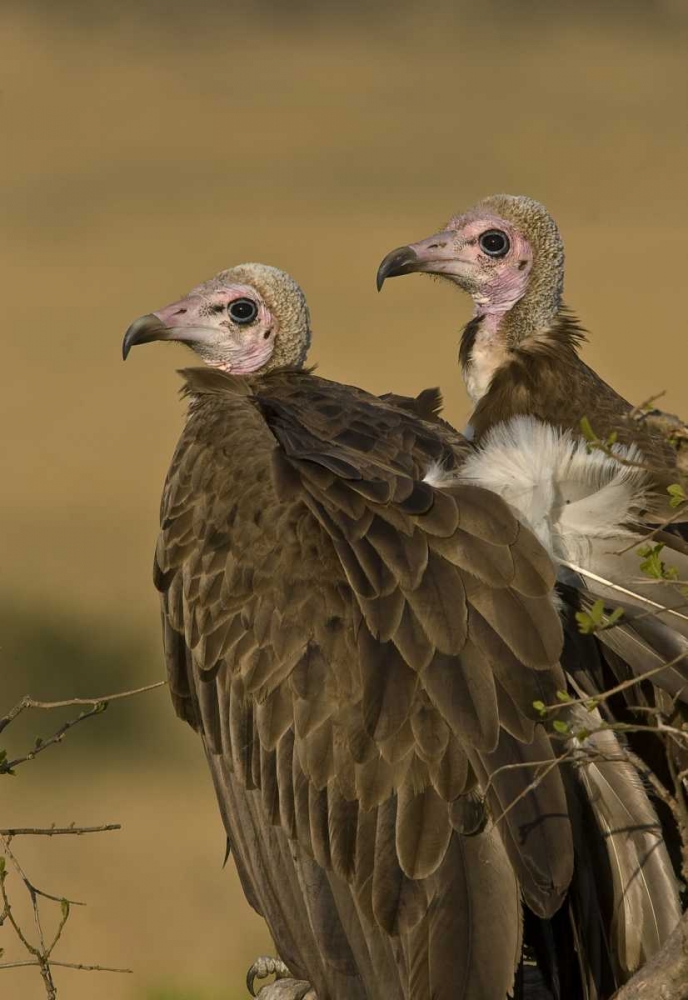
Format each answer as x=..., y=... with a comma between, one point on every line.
x=494, y=243
x=242, y=311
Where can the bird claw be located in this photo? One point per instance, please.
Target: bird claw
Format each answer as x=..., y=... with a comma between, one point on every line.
x=263, y=967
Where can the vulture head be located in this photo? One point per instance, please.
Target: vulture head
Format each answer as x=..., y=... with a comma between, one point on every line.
x=506, y=252
x=250, y=318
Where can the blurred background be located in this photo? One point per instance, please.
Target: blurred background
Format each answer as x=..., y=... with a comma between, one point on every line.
x=146, y=146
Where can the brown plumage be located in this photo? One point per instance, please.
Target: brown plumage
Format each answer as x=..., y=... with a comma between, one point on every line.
x=520, y=352
x=276, y=573
x=360, y=651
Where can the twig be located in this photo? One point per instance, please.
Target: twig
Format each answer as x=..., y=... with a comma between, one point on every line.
x=681, y=512
x=640, y=409
x=8, y=766
x=29, y=885
x=64, y=965
x=41, y=954
x=56, y=831
x=595, y=699
x=98, y=705
x=661, y=608
x=105, y=699
x=28, y=702
x=537, y=780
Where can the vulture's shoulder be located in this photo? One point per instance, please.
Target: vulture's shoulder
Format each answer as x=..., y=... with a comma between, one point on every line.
x=307, y=415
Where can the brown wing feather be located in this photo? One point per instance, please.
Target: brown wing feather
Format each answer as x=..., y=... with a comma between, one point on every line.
x=336, y=628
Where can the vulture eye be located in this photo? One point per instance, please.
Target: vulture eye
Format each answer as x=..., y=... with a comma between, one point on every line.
x=243, y=311
x=494, y=243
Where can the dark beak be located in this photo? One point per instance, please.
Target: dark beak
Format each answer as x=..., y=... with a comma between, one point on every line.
x=144, y=330
x=403, y=260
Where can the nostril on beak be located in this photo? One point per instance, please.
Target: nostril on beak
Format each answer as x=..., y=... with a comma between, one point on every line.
x=179, y=312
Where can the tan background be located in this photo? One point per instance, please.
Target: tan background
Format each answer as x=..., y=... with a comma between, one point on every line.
x=147, y=148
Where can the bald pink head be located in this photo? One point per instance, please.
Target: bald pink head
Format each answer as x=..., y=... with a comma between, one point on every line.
x=248, y=319
x=500, y=251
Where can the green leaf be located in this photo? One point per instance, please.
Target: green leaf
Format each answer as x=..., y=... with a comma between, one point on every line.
x=590, y=621
x=613, y=618
x=587, y=431
x=677, y=494
x=597, y=612
x=539, y=706
x=561, y=727
x=563, y=696
x=4, y=769
x=612, y=439
x=654, y=566
x=651, y=563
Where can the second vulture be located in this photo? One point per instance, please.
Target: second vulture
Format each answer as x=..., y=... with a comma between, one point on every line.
x=365, y=640
x=520, y=352
x=519, y=357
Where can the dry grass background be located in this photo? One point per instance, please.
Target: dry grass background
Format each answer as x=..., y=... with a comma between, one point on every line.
x=145, y=148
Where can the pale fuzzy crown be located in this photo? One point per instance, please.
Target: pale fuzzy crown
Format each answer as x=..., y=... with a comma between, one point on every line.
x=287, y=303
x=542, y=300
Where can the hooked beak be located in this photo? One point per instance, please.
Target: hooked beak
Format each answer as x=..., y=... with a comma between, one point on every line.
x=434, y=255
x=178, y=321
x=144, y=330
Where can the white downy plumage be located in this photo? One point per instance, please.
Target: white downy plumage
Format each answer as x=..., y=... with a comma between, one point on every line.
x=567, y=495
x=585, y=507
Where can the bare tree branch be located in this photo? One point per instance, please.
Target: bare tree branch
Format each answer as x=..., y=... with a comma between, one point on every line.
x=597, y=699
x=64, y=965
x=41, y=951
x=98, y=705
x=56, y=831
x=28, y=702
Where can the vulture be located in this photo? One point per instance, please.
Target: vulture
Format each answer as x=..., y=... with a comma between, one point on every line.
x=519, y=354
x=365, y=637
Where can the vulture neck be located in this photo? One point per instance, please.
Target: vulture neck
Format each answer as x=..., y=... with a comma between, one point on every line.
x=500, y=330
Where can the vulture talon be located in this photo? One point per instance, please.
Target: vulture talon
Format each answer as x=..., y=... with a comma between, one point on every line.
x=264, y=966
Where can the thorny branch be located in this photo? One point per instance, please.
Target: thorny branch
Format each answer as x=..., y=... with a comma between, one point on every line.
x=41, y=950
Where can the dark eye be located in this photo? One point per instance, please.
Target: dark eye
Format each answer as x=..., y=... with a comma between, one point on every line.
x=494, y=243
x=243, y=311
